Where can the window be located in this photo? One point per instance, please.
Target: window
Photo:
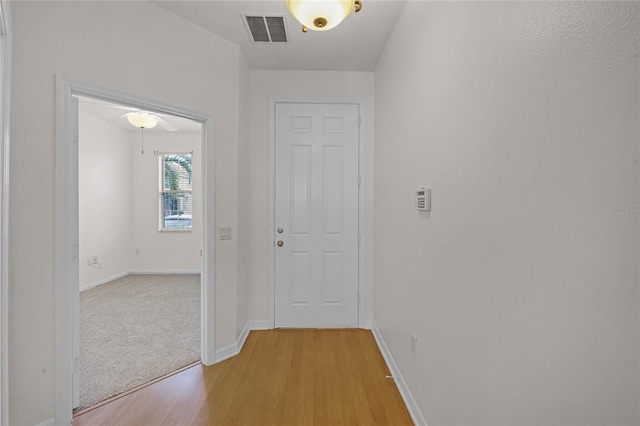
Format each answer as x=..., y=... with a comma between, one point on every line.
x=175, y=192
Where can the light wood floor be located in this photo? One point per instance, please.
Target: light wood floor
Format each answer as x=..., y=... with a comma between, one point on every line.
x=281, y=377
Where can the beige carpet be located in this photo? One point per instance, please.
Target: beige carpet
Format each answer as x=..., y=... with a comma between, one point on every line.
x=136, y=329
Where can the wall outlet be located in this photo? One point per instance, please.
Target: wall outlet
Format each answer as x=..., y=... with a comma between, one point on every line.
x=414, y=345
x=95, y=260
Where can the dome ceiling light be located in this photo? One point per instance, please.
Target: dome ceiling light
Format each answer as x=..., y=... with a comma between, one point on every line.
x=322, y=15
x=142, y=120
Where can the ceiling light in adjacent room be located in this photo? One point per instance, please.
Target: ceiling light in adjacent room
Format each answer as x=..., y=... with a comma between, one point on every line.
x=142, y=120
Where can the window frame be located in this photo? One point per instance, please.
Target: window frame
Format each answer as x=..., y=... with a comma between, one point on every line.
x=162, y=191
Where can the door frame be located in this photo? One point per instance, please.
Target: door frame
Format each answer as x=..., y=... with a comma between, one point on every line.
x=362, y=308
x=67, y=229
x=5, y=136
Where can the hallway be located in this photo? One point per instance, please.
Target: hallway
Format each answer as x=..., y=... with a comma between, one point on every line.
x=281, y=377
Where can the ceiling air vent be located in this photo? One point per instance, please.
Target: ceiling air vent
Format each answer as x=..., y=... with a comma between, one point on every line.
x=265, y=29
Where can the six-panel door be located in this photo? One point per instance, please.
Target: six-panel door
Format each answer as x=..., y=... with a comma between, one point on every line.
x=316, y=215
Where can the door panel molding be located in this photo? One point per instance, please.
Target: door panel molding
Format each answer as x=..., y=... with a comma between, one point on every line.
x=301, y=125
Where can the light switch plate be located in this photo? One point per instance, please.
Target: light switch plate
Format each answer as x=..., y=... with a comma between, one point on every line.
x=224, y=233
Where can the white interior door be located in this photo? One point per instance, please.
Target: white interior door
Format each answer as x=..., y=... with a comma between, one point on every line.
x=316, y=215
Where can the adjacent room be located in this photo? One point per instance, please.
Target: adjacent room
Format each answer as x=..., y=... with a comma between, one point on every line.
x=140, y=231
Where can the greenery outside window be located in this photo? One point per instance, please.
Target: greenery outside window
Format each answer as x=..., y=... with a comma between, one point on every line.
x=175, y=192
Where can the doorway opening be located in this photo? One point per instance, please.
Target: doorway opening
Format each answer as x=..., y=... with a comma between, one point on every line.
x=140, y=239
x=67, y=237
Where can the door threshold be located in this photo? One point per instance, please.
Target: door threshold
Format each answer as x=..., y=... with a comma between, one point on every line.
x=132, y=390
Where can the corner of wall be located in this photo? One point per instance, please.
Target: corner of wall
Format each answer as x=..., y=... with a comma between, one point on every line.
x=244, y=203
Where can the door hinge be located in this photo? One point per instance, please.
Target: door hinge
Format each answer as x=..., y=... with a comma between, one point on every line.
x=358, y=298
x=359, y=180
x=359, y=239
x=359, y=120
x=200, y=252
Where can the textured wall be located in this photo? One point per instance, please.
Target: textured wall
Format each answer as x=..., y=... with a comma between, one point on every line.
x=104, y=180
x=119, y=203
x=162, y=251
x=521, y=284
x=244, y=206
x=135, y=47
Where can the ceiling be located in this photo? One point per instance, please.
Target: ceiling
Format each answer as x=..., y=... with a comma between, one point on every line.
x=354, y=45
x=117, y=115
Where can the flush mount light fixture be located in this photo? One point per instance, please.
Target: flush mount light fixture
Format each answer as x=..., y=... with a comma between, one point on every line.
x=322, y=15
x=142, y=120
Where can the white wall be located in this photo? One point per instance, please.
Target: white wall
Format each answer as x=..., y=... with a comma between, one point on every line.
x=119, y=203
x=520, y=284
x=150, y=249
x=135, y=47
x=244, y=206
x=104, y=177
x=333, y=85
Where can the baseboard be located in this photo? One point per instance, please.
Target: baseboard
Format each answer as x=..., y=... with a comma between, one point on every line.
x=235, y=348
x=258, y=325
x=50, y=422
x=164, y=271
x=227, y=352
x=368, y=325
x=139, y=272
x=410, y=403
x=104, y=281
x=243, y=336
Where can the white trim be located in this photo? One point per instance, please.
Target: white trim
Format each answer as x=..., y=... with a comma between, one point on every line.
x=258, y=324
x=235, y=348
x=164, y=271
x=410, y=403
x=66, y=244
x=104, y=281
x=63, y=316
x=227, y=352
x=362, y=219
x=140, y=272
x=5, y=141
x=208, y=277
x=243, y=336
x=50, y=422
x=362, y=205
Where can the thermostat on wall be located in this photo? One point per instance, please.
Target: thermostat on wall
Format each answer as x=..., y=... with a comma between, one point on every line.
x=423, y=199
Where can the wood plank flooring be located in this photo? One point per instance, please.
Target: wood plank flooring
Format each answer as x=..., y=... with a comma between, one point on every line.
x=281, y=377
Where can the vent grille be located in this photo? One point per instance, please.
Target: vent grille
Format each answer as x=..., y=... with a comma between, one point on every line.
x=265, y=29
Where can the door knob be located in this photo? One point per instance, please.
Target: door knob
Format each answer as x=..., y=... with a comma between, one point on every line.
x=280, y=243
x=280, y=230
